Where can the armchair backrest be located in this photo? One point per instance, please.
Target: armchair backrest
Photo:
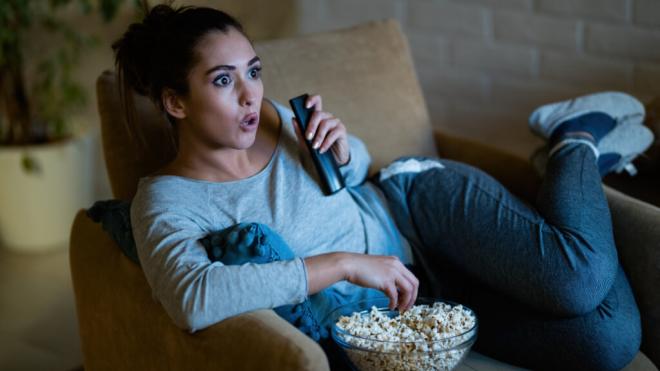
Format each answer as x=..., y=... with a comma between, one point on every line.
x=365, y=75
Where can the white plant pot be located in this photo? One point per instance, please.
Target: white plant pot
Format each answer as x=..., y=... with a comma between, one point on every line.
x=37, y=206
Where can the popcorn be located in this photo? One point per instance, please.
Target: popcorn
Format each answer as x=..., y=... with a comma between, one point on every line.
x=425, y=337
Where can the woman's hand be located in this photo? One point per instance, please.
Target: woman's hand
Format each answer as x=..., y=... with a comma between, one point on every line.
x=387, y=274
x=384, y=273
x=326, y=131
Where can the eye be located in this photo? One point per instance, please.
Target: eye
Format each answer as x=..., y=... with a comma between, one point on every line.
x=222, y=80
x=255, y=73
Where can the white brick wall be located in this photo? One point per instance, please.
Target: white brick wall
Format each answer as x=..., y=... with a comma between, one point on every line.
x=586, y=70
x=480, y=55
x=429, y=48
x=623, y=41
x=647, y=12
x=609, y=10
x=484, y=64
x=540, y=30
x=513, y=4
x=445, y=17
x=326, y=15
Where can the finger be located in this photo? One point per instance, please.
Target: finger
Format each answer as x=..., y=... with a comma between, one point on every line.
x=413, y=295
x=414, y=298
x=415, y=284
x=325, y=126
x=412, y=283
x=391, y=293
x=315, y=101
x=330, y=139
x=406, y=292
x=314, y=122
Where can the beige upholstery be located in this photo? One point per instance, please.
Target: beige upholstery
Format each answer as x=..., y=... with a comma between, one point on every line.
x=366, y=78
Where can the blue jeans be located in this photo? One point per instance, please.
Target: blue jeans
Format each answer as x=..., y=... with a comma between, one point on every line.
x=545, y=281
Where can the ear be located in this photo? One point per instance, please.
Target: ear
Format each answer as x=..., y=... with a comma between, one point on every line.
x=173, y=104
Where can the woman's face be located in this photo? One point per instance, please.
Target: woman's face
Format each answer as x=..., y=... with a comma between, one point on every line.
x=225, y=92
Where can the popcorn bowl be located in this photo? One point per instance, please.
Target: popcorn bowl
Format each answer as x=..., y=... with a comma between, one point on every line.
x=435, y=350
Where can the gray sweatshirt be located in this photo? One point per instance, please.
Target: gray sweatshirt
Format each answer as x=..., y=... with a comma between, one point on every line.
x=170, y=214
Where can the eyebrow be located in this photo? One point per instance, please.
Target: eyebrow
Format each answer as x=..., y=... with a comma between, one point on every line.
x=230, y=67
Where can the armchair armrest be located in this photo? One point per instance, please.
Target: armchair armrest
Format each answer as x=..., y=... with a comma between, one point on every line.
x=123, y=328
x=636, y=225
x=637, y=234
x=512, y=171
x=258, y=340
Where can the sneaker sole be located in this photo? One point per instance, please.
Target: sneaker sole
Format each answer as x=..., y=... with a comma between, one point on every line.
x=629, y=140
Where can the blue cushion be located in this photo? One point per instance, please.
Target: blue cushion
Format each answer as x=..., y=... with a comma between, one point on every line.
x=115, y=217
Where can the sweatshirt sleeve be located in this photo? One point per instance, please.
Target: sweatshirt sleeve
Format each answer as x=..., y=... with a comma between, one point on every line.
x=356, y=169
x=196, y=292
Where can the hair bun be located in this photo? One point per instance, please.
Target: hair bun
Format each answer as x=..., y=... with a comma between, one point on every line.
x=159, y=19
x=138, y=49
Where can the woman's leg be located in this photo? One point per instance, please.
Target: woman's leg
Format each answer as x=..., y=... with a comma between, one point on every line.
x=546, y=284
x=541, y=278
x=559, y=259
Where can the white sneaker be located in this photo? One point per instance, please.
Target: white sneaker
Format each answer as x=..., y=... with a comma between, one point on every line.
x=620, y=106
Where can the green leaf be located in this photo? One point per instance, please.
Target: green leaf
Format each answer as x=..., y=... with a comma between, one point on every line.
x=86, y=6
x=109, y=8
x=30, y=164
x=54, y=94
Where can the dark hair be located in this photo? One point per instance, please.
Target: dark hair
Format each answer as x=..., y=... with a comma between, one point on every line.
x=159, y=52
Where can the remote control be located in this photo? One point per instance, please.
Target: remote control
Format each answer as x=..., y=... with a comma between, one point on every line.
x=331, y=179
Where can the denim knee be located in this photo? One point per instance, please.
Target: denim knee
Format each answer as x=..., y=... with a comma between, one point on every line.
x=581, y=286
x=612, y=334
x=612, y=345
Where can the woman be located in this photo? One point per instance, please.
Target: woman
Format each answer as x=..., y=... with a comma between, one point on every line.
x=546, y=283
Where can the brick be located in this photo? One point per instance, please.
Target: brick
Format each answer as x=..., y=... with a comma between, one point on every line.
x=611, y=10
x=446, y=17
x=535, y=29
x=529, y=94
x=625, y=41
x=584, y=70
x=440, y=81
x=498, y=57
x=511, y=4
x=647, y=78
x=334, y=14
x=428, y=47
x=647, y=12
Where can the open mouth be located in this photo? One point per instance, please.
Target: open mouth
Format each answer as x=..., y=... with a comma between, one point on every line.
x=250, y=121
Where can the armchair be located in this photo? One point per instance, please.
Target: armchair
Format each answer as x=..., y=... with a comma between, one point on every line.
x=367, y=78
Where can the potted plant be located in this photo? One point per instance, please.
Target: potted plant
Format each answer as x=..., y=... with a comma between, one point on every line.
x=45, y=165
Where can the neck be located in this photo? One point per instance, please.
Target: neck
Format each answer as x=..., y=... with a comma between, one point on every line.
x=217, y=165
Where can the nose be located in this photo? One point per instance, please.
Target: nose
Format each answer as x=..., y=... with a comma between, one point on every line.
x=248, y=94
